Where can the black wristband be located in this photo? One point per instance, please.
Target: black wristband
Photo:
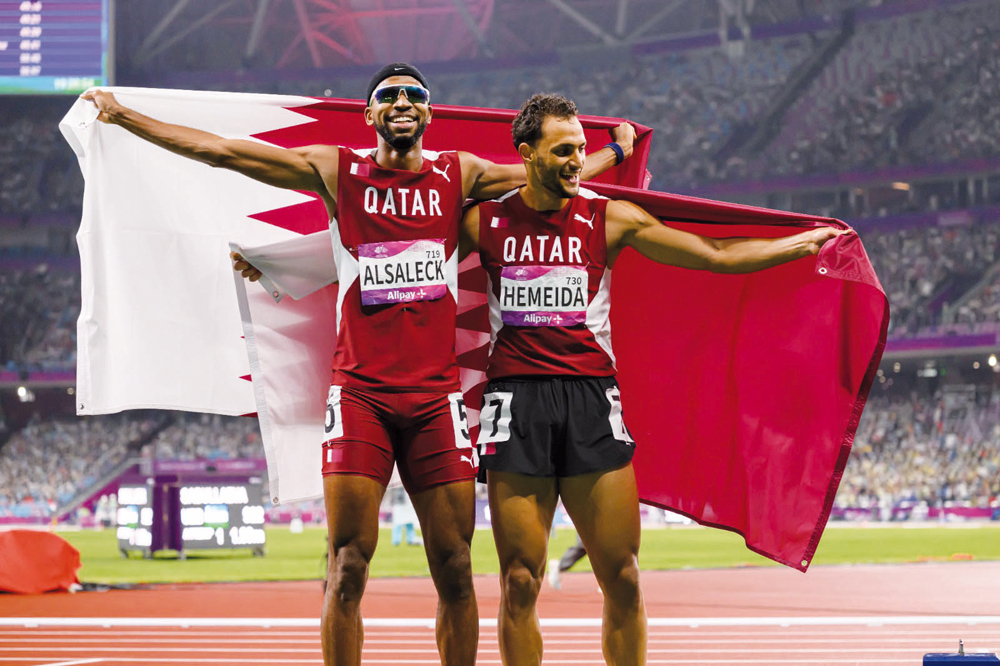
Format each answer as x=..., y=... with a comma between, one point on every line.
x=619, y=153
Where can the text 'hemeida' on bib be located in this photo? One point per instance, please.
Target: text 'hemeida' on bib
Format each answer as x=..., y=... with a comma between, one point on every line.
x=543, y=295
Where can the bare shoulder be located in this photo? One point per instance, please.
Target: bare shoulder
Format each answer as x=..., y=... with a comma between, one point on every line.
x=627, y=215
x=319, y=152
x=324, y=159
x=465, y=156
x=471, y=162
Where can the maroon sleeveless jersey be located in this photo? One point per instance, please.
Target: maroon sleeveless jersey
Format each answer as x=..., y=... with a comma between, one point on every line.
x=549, y=287
x=395, y=239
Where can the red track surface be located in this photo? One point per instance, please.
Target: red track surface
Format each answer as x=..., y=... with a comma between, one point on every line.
x=863, y=615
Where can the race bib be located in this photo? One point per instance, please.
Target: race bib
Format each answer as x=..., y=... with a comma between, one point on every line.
x=402, y=271
x=543, y=295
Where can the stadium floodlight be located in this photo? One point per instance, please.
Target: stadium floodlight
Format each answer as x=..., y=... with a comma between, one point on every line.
x=993, y=360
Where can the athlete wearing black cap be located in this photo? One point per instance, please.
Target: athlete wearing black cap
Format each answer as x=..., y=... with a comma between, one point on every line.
x=395, y=396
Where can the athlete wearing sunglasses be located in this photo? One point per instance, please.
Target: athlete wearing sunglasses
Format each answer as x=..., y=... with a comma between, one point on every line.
x=389, y=94
x=395, y=396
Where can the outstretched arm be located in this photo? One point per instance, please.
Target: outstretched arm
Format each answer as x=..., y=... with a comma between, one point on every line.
x=483, y=179
x=297, y=168
x=629, y=225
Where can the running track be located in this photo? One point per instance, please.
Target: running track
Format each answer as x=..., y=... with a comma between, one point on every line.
x=830, y=616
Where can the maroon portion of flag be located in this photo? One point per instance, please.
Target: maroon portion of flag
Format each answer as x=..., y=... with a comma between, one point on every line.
x=484, y=132
x=304, y=218
x=743, y=392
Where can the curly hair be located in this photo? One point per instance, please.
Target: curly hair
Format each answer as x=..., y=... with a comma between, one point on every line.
x=527, y=127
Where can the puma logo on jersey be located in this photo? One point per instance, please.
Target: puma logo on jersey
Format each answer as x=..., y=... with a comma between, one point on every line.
x=589, y=223
x=444, y=173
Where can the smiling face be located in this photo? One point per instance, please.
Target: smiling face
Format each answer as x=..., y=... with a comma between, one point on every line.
x=400, y=122
x=556, y=160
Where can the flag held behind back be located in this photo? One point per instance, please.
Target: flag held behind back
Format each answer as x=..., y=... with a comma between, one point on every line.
x=743, y=392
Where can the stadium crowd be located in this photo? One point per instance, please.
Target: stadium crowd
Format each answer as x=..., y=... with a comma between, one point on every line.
x=38, y=172
x=919, y=89
x=39, y=307
x=46, y=463
x=206, y=437
x=923, y=269
x=908, y=449
x=923, y=89
x=919, y=448
x=967, y=124
x=915, y=90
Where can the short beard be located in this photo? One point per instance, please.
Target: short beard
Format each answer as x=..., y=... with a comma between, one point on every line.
x=555, y=186
x=400, y=143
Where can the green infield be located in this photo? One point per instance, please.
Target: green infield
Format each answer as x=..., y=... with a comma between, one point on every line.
x=299, y=556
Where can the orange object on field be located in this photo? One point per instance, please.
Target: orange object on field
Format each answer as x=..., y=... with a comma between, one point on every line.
x=33, y=562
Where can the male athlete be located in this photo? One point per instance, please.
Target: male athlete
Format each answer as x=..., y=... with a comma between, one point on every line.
x=395, y=393
x=551, y=424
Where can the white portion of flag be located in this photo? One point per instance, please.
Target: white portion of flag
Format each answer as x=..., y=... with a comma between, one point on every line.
x=290, y=345
x=160, y=324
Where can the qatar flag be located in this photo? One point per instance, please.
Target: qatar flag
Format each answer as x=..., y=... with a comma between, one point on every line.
x=742, y=392
x=166, y=323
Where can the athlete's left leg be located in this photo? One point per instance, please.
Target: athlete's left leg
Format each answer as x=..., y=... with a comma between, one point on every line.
x=447, y=516
x=604, y=507
x=437, y=465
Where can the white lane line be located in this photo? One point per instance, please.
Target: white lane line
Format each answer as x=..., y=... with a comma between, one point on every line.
x=433, y=650
x=837, y=621
x=436, y=662
x=131, y=650
x=713, y=633
x=593, y=638
x=147, y=660
x=74, y=663
x=691, y=622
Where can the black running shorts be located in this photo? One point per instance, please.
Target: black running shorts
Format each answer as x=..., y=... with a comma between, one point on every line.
x=552, y=426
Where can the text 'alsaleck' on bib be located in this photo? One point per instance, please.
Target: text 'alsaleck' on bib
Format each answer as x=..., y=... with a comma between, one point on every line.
x=402, y=271
x=543, y=295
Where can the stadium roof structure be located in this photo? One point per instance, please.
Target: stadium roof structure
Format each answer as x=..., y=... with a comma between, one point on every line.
x=321, y=34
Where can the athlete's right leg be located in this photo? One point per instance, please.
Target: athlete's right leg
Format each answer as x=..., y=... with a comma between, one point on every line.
x=521, y=509
x=352, y=504
x=357, y=466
